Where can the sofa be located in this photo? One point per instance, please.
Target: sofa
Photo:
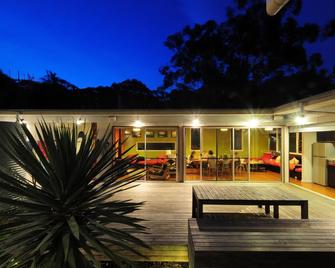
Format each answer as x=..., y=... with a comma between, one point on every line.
x=272, y=161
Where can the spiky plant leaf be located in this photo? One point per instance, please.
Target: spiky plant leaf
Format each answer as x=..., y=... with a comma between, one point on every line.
x=62, y=210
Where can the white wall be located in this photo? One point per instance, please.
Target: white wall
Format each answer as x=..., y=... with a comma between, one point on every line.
x=308, y=138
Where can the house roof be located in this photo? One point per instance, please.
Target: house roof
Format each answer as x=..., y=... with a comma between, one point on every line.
x=319, y=108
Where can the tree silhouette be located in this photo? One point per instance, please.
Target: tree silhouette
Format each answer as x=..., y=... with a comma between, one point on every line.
x=249, y=60
x=233, y=63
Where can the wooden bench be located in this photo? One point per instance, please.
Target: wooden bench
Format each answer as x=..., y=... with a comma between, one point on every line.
x=268, y=242
x=245, y=195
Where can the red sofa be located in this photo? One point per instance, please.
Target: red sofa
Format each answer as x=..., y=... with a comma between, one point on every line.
x=269, y=160
x=160, y=160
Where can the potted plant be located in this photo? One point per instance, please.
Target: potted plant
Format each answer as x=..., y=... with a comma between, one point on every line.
x=59, y=199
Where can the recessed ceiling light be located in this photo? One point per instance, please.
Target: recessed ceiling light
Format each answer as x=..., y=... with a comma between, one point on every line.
x=80, y=121
x=195, y=122
x=138, y=124
x=223, y=129
x=301, y=120
x=252, y=123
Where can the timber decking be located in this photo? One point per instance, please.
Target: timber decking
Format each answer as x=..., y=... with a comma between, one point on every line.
x=168, y=206
x=261, y=242
x=245, y=195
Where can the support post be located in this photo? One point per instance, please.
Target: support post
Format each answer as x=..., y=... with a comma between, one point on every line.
x=180, y=154
x=285, y=155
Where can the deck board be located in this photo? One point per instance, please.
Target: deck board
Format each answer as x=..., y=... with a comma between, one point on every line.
x=230, y=242
x=168, y=207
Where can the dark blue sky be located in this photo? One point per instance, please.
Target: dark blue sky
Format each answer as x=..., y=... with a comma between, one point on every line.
x=98, y=42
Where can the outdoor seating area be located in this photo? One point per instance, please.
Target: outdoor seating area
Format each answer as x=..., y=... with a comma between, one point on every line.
x=211, y=246
x=169, y=207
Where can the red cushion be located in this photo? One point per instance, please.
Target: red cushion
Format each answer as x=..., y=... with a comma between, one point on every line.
x=298, y=170
x=266, y=156
x=152, y=162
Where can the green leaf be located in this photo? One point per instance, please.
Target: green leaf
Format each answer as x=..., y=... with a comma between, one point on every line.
x=70, y=196
x=66, y=245
x=73, y=226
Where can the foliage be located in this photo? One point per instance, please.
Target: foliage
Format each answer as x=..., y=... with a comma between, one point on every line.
x=65, y=212
x=235, y=61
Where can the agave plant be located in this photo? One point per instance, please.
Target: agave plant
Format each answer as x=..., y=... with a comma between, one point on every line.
x=63, y=211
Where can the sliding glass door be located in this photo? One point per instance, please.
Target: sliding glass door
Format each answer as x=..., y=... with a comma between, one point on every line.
x=232, y=154
x=155, y=150
x=193, y=158
x=225, y=156
x=265, y=158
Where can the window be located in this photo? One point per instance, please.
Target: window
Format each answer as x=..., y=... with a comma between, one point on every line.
x=272, y=142
x=238, y=140
x=295, y=142
x=326, y=136
x=195, y=139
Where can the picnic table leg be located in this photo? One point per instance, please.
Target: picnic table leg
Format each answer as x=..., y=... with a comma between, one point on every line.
x=267, y=209
x=276, y=211
x=199, y=209
x=304, y=210
x=194, y=206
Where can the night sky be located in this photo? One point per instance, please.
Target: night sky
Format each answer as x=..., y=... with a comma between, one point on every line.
x=98, y=42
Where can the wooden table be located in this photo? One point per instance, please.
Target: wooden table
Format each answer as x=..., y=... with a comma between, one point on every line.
x=261, y=242
x=245, y=195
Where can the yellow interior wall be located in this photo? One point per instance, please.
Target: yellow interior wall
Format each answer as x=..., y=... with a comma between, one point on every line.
x=208, y=140
x=188, y=145
x=258, y=140
x=258, y=143
x=224, y=144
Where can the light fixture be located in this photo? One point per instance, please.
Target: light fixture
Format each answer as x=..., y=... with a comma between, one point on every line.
x=268, y=128
x=223, y=129
x=138, y=124
x=196, y=122
x=80, y=121
x=252, y=123
x=300, y=120
x=136, y=129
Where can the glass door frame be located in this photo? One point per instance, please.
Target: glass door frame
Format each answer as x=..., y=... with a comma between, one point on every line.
x=145, y=128
x=232, y=128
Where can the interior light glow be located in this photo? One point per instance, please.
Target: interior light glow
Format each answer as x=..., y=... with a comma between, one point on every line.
x=136, y=129
x=195, y=122
x=80, y=121
x=138, y=124
x=252, y=123
x=268, y=128
x=223, y=129
x=300, y=120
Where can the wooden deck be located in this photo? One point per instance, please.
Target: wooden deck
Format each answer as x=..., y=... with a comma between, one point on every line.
x=169, y=206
